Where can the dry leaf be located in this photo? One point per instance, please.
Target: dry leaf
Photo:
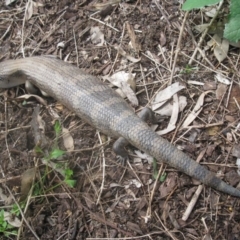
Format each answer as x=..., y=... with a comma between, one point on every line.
x=38, y=98
x=172, y=123
x=58, y=168
x=221, y=90
x=67, y=140
x=163, y=39
x=125, y=82
x=201, y=28
x=210, y=11
x=11, y=219
x=100, y=6
x=222, y=79
x=221, y=50
x=27, y=181
x=97, y=37
x=153, y=56
x=38, y=128
x=8, y=2
x=234, y=98
x=3, y=197
x=220, y=47
x=236, y=151
x=168, y=185
x=167, y=109
x=29, y=10
x=134, y=41
x=164, y=95
x=144, y=156
x=197, y=109
x=130, y=94
x=128, y=57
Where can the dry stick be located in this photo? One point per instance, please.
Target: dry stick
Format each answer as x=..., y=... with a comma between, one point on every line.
x=134, y=172
x=155, y=62
x=104, y=169
x=6, y=130
x=206, y=228
x=216, y=110
x=144, y=82
x=158, y=64
x=192, y=203
x=148, y=214
x=75, y=43
x=162, y=12
x=115, y=60
x=105, y=24
x=23, y=25
x=6, y=32
x=204, y=33
x=27, y=203
x=207, y=125
x=145, y=236
x=235, y=100
x=166, y=229
x=229, y=91
x=196, y=46
x=50, y=33
x=178, y=48
x=163, y=55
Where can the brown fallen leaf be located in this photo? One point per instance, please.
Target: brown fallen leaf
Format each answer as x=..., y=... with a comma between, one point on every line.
x=196, y=110
x=134, y=41
x=169, y=184
x=27, y=181
x=67, y=139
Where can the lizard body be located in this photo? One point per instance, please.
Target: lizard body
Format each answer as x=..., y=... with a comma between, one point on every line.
x=96, y=103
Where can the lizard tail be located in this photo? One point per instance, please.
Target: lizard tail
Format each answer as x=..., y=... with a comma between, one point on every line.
x=150, y=142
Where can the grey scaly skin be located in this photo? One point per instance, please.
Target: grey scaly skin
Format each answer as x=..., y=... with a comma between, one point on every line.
x=99, y=105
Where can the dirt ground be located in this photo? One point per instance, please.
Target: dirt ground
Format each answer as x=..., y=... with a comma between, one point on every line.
x=155, y=41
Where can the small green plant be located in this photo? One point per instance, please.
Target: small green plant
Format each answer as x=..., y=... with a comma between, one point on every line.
x=187, y=70
x=232, y=29
x=56, y=153
x=15, y=209
x=68, y=175
x=6, y=228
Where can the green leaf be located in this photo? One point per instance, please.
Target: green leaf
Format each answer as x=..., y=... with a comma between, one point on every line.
x=191, y=4
x=1, y=216
x=155, y=170
x=57, y=128
x=163, y=177
x=68, y=173
x=70, y=183
x=232, y=29
x=38, y=149
x=4, y=224
x=56, y=153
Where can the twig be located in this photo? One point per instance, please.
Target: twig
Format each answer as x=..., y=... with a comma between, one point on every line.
x=75, y=43
x=162, y=12
x=148, y=213
x=106, y=24
x=178, y=48
x=204, y=33
x=192, y=203
x=103, y=169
